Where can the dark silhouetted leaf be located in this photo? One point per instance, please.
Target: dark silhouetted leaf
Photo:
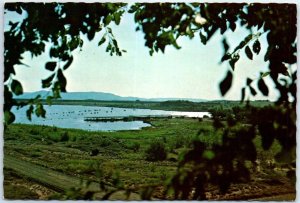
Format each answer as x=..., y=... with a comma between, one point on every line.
x=249, y=81
x=248, y=52
x=256, y=47
x=40, y=111
x=233, y=60
x=61, y=80
x=225, y=57
x=263, y=87
x=47, y=82
x=16, y=87
x=225, y=45
x=50, y=66
x=67, y=65
x=243, y=94
x=252, y=90
x=232, y=26
x=226, y=83
x=91, y=35
x=202, y=38
x=29, y=112
x=102, y=41
x=243, y=43
x=9, y=117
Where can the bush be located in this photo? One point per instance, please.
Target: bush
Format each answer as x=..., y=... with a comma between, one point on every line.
x=156, y=151
x=94, y=152
x=104, y=142
x=64, y=137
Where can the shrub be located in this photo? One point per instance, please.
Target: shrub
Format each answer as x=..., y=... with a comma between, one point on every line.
x=64, y=137
x=104, y=142
x=156, y=151
x=94, y=152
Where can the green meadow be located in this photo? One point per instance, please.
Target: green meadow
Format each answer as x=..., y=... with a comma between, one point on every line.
x=129, y=159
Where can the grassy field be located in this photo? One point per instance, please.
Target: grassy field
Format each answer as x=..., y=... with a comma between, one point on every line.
x=102, y=156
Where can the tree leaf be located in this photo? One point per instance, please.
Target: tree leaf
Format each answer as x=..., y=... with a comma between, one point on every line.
x=61, y=80
x=9, y=117
x=225, y=57
x=117, y=17
x=225, y=45
x=16, y=87
x=49, y=100
x=226, y=83
x=249, y=53
x=67, y=65
x=29, y=111
x=107, y=19
x=263, y=87
x=50, y=65
x=56, y=90
x=47, y=82
x=91, y=35
x=202, y=38
x=40, y=111
x=232, y=26
x=102, y=41
x=249, y=81
x=252, y=90
x=243, y=43
x=265, y=74
x=256, y=47
x=243, y=94
x=233, y=60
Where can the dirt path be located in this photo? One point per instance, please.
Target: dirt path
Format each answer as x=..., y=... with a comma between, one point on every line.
x=55, y=180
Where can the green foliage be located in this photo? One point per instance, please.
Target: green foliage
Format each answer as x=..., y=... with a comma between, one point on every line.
x=16, y=87
x=91, y=18
x=64, y=137
x=226, y=83
x=156, y=151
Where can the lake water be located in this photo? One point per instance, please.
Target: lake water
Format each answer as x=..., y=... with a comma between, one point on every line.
x=72, y=116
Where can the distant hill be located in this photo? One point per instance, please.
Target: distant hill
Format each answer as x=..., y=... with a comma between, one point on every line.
x=100, y=96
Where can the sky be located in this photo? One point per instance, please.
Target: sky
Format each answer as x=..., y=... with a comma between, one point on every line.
x=194, y=71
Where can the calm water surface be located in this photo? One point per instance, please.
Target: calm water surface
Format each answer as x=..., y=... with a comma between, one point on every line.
x=72, y=116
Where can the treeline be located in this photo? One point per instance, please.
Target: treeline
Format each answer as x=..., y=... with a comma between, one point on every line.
x=220, y=106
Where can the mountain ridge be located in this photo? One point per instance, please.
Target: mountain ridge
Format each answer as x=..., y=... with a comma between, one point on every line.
x=100, y=96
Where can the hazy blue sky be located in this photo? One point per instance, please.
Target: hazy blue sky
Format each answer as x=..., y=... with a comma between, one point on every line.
x=191, y=72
